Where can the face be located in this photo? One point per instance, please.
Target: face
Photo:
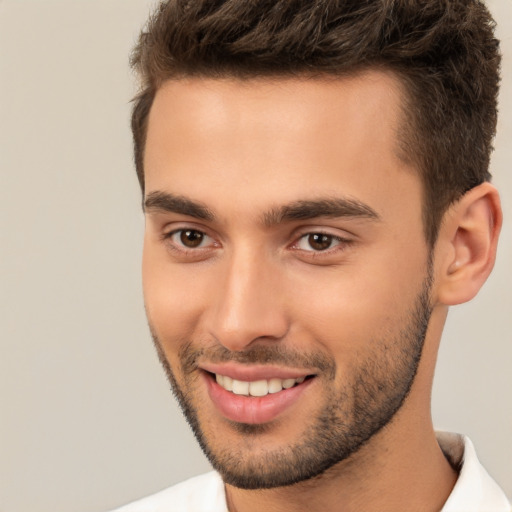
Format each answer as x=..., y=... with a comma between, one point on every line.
x=286, y=275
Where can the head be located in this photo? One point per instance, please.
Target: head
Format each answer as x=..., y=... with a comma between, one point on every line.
x=300, y=162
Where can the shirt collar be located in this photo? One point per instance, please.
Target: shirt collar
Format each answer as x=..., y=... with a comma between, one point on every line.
x=475, y=490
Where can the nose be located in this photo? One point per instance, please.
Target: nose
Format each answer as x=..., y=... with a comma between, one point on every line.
x=248, y=304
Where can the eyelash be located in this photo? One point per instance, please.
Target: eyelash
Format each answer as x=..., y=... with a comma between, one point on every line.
x=340, y=243
x=182, y=249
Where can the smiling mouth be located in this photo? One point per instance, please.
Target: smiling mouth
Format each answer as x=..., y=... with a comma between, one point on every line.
x=257, y=388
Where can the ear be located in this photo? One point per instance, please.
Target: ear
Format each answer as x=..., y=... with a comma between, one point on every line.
x=466, y=246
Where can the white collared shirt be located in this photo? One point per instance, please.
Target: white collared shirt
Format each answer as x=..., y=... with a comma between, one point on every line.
x=474, y=491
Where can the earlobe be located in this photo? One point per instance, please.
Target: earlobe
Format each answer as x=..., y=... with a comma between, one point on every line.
x=467, y=244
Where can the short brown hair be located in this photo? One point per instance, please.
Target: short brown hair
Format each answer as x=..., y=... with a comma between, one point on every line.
x=444, y=52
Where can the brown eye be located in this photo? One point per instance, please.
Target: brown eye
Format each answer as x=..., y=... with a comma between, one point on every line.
x=191, y=238
x=320, y=241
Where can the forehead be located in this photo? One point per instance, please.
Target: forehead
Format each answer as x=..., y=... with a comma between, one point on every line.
x=274, y=140
x=294, y=107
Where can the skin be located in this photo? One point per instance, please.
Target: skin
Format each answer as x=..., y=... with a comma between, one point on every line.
x=243, y=150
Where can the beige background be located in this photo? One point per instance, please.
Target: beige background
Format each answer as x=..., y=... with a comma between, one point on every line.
x=86, y=418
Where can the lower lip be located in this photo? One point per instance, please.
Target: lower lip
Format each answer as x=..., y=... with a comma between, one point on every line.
x=253, y=410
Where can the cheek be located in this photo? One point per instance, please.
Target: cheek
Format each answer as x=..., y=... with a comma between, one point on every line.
x=351, y=309
x=174, y=296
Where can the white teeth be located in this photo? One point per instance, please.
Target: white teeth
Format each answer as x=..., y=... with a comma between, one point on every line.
x=228, y=383
x=240, y=387
x=275, y=385
x=288, y=383
x=257, y=387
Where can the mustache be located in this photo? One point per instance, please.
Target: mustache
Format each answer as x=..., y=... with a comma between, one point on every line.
x=190, y=356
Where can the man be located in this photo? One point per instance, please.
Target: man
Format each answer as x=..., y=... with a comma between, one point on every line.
x=316, y=191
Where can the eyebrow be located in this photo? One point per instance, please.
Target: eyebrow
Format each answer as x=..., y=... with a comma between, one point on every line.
x=165, y=202
x=333, y=207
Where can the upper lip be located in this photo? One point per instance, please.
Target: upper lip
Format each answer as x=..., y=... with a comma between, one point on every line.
x=250, y=373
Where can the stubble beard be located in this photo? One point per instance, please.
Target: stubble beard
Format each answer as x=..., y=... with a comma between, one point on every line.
x=350, y=417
